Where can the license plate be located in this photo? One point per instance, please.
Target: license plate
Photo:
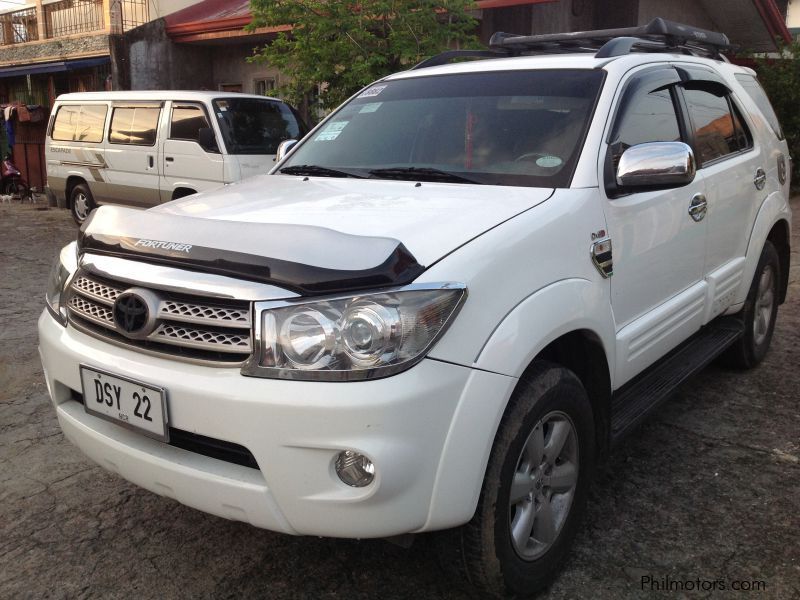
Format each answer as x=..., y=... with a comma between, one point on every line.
x=127, y=402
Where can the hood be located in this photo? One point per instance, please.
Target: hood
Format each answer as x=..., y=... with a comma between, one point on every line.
x=430, y=219
x=310, y=235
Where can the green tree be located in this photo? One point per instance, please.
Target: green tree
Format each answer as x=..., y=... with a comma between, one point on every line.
x=781, y=80
x=345, y=45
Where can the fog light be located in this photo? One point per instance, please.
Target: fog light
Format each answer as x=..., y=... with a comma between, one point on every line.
x=354, y=469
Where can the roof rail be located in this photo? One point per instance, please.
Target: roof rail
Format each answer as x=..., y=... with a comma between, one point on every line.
x=659, y=35
x=446, y=57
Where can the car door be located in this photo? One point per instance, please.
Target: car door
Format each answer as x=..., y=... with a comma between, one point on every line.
x=188, y=167
x=734, y=170
x=132, y=154
x=657, y=288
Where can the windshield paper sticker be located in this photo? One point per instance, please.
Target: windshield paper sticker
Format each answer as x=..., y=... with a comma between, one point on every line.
x=331, y=131
x=373, y=91
x=549, y=161
x=370, y=108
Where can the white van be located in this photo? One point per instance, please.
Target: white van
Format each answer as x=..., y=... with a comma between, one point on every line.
x=143, y=148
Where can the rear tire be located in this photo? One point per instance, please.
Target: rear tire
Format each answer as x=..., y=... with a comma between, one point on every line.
x=759, y=313
x=531, y=503
x=81, y=203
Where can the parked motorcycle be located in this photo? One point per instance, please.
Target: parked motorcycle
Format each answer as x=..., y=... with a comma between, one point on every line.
x=12, y=183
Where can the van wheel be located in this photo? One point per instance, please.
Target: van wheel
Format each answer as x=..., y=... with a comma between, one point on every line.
x=534, y=492
x=81, y=203
x=759, y=313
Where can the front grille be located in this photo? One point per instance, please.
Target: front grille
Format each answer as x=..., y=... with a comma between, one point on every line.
x=201, y=444
x=188, y=327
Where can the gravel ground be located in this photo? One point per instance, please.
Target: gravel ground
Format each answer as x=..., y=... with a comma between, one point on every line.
x=708, y=490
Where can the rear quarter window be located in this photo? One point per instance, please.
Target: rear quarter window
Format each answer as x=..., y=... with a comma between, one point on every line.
x=759, y=96
x=80, y=123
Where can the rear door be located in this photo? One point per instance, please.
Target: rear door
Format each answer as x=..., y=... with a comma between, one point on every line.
x=132, y=154
x=732, y=166
x=188, y=167
x=658, y=292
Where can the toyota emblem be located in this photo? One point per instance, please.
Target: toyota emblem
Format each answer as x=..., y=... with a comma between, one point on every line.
x=134, y=313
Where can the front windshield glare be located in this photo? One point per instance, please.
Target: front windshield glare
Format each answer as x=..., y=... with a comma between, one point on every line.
x=520, y=128
x=254, y=126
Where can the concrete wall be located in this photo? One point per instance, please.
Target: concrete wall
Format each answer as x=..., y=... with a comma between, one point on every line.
x=154, y=62
x=230, y=66
x=793, y=16
x=162, y=8
x=690, y=12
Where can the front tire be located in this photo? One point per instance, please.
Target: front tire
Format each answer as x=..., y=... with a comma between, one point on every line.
x=534, y=492
x=759, y=313
x=81, y=203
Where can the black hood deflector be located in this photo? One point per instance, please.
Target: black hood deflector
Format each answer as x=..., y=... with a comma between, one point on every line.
x=391, y=262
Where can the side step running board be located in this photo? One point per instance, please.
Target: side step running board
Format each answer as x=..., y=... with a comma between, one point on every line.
x=636, y=399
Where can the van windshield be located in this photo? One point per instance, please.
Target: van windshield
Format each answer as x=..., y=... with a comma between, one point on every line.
x=517, y=128
x=254, y=126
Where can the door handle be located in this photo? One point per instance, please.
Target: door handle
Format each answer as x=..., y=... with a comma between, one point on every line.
x=168, y=158
x=151, y=161
x=698, y=207
x=760, y=180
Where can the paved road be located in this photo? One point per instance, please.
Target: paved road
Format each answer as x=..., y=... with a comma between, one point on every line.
x=708, y=489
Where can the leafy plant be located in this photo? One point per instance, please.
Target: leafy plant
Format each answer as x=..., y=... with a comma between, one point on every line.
x=339, y=47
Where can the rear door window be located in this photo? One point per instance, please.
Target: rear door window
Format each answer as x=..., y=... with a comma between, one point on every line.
x=135, y=125
x=80, y=123
x=718, y=131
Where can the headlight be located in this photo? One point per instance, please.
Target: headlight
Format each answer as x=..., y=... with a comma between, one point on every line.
x=364, y=336
x=65, y=265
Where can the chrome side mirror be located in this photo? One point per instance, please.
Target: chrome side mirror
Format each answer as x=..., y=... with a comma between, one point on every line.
x=656, y=165
x=283, y=149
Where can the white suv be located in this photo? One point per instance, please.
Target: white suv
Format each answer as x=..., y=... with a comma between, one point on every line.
x=411, y=325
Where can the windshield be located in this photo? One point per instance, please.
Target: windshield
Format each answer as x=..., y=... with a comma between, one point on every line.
x=253, y=126
x=521, y=128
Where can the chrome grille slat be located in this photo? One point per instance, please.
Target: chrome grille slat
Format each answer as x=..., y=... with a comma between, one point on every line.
x=190, y=327
x=199, y=338
x=92, y=311
x=185, y=312
x=96, y=290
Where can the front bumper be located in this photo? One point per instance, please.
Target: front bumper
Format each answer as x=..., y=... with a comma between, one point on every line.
x=427, y=430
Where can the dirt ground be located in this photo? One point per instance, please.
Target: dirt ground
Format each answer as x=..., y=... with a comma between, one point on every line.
x=706, y=493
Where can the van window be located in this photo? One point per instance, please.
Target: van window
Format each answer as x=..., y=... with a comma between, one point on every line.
x=83, y=123
x=255, y=126
x=134, y=125
x=187, y=120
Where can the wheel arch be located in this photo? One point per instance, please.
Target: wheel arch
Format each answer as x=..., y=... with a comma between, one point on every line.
x=72, y=181
x=182, y=192
x=780, y=237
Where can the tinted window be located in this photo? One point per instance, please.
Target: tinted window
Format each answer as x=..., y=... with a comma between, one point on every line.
x=187, y=122
x=518, y=128
x=649, y=116
x=80, y=123
x=759, y=96
x=252, y=126
x=715, y=132
x=134, y=125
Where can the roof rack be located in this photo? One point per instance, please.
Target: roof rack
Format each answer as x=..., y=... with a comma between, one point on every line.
x=659, y=35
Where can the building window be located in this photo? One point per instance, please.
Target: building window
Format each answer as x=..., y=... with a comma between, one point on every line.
x=264, y=87
x=230, y=87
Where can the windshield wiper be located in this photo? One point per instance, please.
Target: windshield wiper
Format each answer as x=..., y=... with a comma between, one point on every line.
x=421, y=173
x=316, y=170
